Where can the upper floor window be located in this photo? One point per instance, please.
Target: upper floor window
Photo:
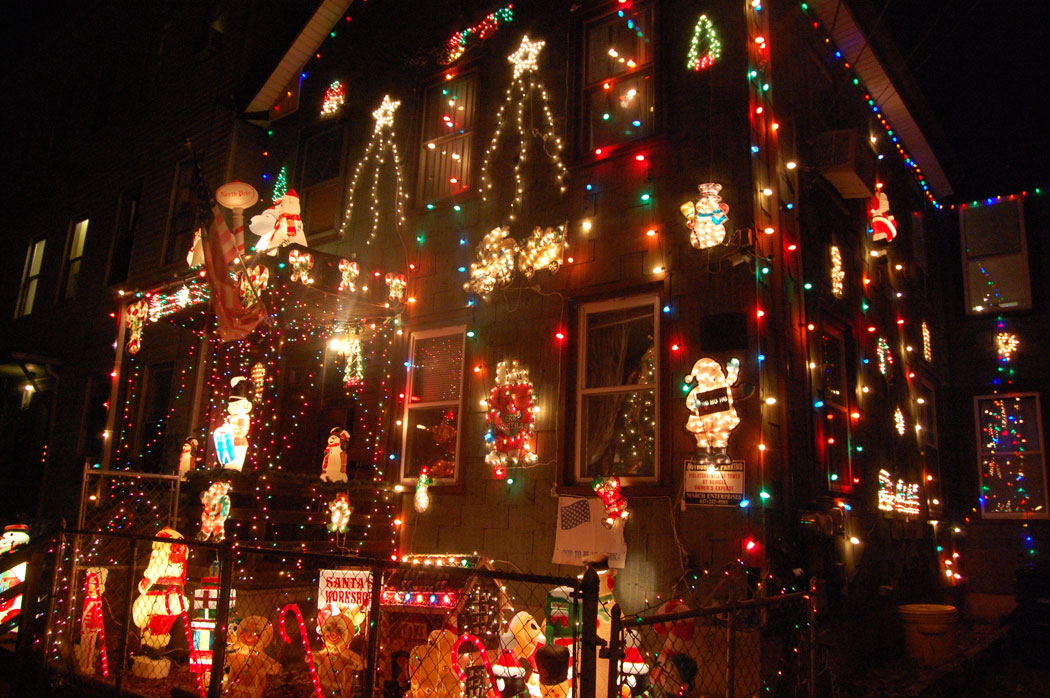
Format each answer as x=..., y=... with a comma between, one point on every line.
x=448, y=124
x=431, y=426
x=321, y=183
x=124, y=235
x=74, y=258
x=617, y=426
x=618, y=78
x=995, y=256
x=30, y=277
x=182, y=217
x=1010, y=452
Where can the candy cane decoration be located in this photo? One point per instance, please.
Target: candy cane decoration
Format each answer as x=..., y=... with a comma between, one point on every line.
x=306, y=644
x=93, y=606
x=462, y=675
x=195, y=668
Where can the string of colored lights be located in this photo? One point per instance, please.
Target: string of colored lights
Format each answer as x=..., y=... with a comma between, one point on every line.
x=465, y=39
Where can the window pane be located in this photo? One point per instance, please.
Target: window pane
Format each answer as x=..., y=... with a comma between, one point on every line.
x=437, y=368
x=446, y=167
x=72, y=278
x=619, y=434
x=1013, y=484
x=992, y=230
x=27, y=305
x=620, y=347
x=76, y=249
x=322, y=157
x=834, y=383
x=836, y=447
x=450, y=108
x=38, y=258
x=431, y=441
x=1008, y=424
x=622, y=112
x=618, y=45
x=998, y=282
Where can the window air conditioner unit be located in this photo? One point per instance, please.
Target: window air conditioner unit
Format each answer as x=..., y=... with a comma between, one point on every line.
x=847, y=162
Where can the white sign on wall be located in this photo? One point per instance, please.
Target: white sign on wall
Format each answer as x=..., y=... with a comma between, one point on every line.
x=345, y=588
x=714, y=485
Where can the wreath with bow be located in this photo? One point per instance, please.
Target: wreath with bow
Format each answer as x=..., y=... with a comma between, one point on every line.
x=511, y=417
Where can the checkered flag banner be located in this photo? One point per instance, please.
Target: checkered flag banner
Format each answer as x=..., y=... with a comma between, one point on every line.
x=575, y=514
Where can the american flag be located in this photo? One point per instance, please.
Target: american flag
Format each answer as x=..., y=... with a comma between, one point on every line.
x=575, y=514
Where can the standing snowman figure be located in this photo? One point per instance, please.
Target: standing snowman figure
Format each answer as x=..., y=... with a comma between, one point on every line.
x=188, y=457
x=333, y=467
x=231, y=439
x=707, y=218
x=713, y=416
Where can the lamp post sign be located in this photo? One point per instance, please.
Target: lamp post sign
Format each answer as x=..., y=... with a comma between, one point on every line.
x=237, y=196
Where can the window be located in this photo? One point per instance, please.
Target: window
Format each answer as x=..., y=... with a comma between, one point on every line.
x=448, y=123
x=74, y=258
x=618, y=78
x=926, y=402
x=182, y=218
x=1010, y=452
x=123, y=236
x=995, y=257
x=432, y=409
x=30, y=278
x=321, y=182
x=833, y=410
x=617, y=426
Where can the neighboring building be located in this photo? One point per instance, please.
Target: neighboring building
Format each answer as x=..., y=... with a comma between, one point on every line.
x=813, y=301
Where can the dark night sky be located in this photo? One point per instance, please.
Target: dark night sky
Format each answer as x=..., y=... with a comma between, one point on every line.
x=983, y=65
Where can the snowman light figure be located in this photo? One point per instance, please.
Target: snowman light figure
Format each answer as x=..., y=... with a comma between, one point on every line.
x=707, y=218
x=333, y=467
x=231, y=439
x=188, y=457
x=160, y=602
x=713, y=416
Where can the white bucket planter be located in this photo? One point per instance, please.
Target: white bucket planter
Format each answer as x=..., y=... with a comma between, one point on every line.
x=929, y=631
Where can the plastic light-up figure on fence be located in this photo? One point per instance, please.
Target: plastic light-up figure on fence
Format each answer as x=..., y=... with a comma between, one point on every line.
x=707, y=217
x=160, y=602
x=248, y=666
x=92, y=629
x=430, y=668
x=883, y=224
x=511, y=416
x=337, y=663
x=203, y=623
x=495, y=263
x=710, y=401
x=333, y=466
x=231, y=439
x=216, y=500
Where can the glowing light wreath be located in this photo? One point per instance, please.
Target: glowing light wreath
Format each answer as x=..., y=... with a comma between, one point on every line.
x=1006, y=343
x=521, y=88
x=511, y=417
x=544, y=249
x=705, y=47
x=382, y=141
x=495, y=264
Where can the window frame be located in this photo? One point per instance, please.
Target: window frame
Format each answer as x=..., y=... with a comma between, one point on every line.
x=469, y=135
x=169, y=255
x=841, y=333
x=599, y=306
x=1045, y=513
x=68, y=259
x=1026, y=303
x=28, y=277
x=131, y=195
x=446, y=331
x=316, y=133
x=584, y=147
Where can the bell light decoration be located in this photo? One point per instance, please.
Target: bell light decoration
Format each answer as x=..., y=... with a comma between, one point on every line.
x=706, y=218
x=160, y=603
x=349, y=270
x=713, y=416
x=495, y=263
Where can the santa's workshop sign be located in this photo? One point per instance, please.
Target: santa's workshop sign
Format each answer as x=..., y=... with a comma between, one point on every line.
x=711, y=484
x=345, y=588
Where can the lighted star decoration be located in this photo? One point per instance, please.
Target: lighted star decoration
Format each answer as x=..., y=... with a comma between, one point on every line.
x=511, y=114
x=382, y=141
x=524, y=59
x=384, y=115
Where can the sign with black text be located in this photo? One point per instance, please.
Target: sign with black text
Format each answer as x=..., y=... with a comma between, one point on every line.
x=714, y=485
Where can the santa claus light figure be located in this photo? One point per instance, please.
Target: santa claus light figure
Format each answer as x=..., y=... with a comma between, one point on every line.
x=713, y=416
x=160, y=603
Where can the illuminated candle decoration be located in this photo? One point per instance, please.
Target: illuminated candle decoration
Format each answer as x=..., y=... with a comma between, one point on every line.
x=253, y=283
x=713, y=415
x=333, y=466
x=495, y=262
x=160, y=602
x=883, y=224
x=216, y=500
x=135, y=319
x=521, y=88
x=885, y=356
x=458, y=44
x=544, y=249
x=511, y=416
x=608, y=489
x=396, y=287
x=339, y=512
x=301, y=264
x=1006, y=344
x=348, y=273
x=305, y=638
x=421, y=499
x=705, y=47
x=927, y=343
x=898, y=422
x=706, y=218
x=334, y=97
x=381, y=143
x=838, y=275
